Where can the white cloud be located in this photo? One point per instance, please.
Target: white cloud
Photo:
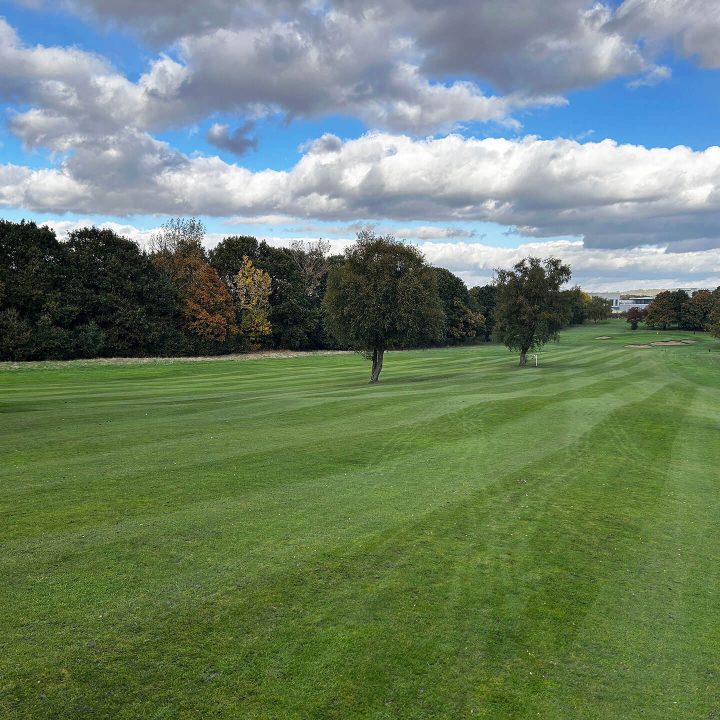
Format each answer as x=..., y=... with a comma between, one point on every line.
x=527, y=45
x=595, y=269
x=386, y=63
x=236, y=141
x=691, y=26
x=331, y=67
x=612, y=195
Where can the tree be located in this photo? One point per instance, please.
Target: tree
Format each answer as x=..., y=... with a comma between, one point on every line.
x=310, y=262
x=109, y=281
x=295, y=314
x=30, y=277
x=383, y=296
x=714, y=318
x=253, y=289
x=663, y=311
x=15, y=335
x=461, y=320
x=578, y=301
x=691, y=316
x=207, y=313
x=531, y=308
x=29, y=267
x=703, y=301
x=634, y=316
x=178, y=235
x=227, y=257
x=484, y=300
x=598, y=309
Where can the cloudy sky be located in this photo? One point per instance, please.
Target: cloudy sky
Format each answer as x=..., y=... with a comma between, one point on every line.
x=483, y=131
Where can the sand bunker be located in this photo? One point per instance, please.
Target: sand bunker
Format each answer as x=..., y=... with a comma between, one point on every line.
x=603, y=337
x=658, y=343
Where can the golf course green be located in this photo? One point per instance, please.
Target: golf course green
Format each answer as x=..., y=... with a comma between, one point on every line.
x=272, y=537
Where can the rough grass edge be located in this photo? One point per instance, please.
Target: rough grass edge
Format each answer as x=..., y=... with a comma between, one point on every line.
x=87, y=362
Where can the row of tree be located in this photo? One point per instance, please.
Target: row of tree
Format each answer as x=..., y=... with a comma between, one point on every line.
x=677, y=309
x=100, y=294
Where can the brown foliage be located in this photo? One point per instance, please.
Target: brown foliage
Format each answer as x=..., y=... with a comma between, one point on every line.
x=207, y=308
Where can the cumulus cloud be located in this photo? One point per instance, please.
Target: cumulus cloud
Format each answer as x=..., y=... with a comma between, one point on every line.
x=546, y=47
x=691, y=26
x=235, y=141
x=431, y=232
x=163, y=21
x=611, y=195
x=593, y=268
x=335, y=65
x=386, y=63
x=420, y=232
x=527, y=45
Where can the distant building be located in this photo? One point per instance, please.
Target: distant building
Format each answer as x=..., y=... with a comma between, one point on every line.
x=622, y=304
x=639, y=302
x=614, y=298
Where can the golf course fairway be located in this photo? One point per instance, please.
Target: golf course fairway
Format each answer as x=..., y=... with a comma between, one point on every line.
x=275, y=538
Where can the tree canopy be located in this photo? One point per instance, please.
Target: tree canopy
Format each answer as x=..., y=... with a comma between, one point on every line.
x=383, y=296
x=462, y=319
x=531, y=308
x=634, y=316
x=598, y=309
x=207, y=313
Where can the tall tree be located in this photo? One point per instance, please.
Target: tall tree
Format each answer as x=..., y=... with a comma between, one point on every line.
x=253, y=290
x=598, y=309
x=531, y=308
x=309, y=259
x=109, y=281
x=227, y=257
x=462, y=321
x=713, y=324
x=207, y=313
x=578, y=301
x=484, y=299
x=382, y=297
x=31, y=278
x=703, y=302
x=663, y=311
x=295, y=314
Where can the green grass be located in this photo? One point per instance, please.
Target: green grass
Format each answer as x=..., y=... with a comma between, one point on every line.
x=274, y=538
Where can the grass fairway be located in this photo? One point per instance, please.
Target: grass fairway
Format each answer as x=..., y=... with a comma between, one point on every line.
x=274, y=538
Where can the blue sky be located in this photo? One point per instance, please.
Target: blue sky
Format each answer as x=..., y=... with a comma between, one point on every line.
x=481, y=131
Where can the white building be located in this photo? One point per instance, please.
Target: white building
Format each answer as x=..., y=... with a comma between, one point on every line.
x=640, y=302
x=614, y=298
x=623, y=304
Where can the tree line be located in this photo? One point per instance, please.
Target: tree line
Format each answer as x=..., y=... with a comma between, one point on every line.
x=678, y=309
x=97, y=293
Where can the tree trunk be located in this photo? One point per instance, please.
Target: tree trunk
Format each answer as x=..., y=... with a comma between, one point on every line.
x=377, y=361
x=523, y=358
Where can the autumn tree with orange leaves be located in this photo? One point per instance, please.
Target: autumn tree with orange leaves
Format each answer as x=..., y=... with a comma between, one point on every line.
x=207, y=312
